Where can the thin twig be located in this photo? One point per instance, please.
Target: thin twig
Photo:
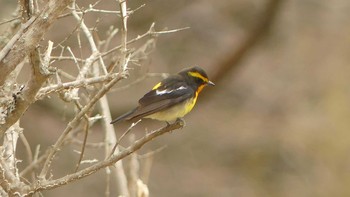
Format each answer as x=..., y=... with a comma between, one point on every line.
x=150, y=32
x=73, y=123
x=86, y=131
x=124, y=38
x=90, y=39
x=89, y=81
x=10, y=20
x=122, y=136
x=88, y=144
x=36, y=162
x=27, y=148
x=14, y=39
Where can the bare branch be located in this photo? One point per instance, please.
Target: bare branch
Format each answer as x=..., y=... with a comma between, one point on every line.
x=51, y=184
x=10, y=146
x=151, y=32
x=28, y=151
x=75, y=84
x=122, y=136
x=124, y=39
x=28, y=37
x=36, y=162
x=39, y=75
x=86, y=131
x=9, y=180
x=74, y=122
x=90, y=39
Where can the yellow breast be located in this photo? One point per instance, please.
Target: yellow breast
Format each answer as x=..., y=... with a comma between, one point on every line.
x=174, y=112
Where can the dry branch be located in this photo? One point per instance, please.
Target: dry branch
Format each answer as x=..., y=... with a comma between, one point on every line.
x=51, y=184
x=73, y=123
x=28, y=37
x=45, y=185
x=22, y=44
x=9, y=181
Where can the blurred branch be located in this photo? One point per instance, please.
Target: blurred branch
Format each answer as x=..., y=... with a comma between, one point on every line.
x=232, y=63
x=86, y=132
x=28, y=150
x=111, y=138
x=151, y=32
x=133, y=170
x=147, y=161
x=36, y=162
x=9, y=20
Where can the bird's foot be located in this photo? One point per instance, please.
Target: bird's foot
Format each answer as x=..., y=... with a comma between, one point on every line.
x=167, y=123
x=181, y=121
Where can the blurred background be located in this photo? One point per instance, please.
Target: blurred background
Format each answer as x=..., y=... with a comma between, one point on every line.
x=276, y=124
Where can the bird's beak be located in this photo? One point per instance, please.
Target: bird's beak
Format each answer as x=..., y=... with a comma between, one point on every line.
x=211, y=83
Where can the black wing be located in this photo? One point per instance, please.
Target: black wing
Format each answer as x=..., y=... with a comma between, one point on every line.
x=172, y=87
x=171, y=92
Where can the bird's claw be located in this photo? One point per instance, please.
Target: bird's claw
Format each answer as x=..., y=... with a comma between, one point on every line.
x=181, y=121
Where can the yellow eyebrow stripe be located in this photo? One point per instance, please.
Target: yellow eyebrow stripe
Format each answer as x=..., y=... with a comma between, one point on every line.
x=196, y=74
x=157, y=86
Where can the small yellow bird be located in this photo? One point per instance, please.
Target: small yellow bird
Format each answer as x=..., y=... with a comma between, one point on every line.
x=170, y=99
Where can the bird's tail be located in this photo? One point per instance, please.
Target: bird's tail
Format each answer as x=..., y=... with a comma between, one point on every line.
x=124, y=116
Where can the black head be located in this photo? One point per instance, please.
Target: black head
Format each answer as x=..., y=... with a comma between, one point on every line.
x=197, y=75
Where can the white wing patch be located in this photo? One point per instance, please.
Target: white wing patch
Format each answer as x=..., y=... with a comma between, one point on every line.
x=166, y=91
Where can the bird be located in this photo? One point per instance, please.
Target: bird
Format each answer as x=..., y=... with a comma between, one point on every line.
x=171, y=99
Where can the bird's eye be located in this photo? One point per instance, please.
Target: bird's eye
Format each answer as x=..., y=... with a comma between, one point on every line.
x=199, y=80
